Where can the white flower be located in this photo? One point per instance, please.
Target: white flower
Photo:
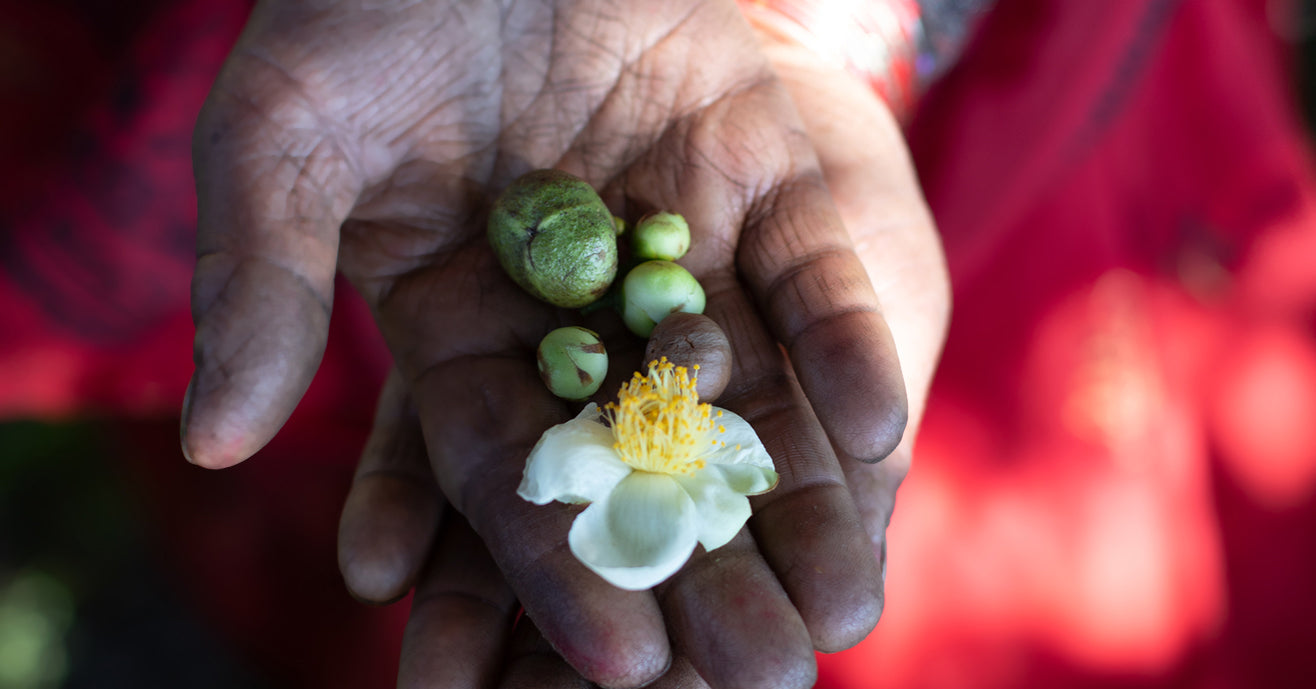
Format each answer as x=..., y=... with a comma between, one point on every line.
x=660, y=471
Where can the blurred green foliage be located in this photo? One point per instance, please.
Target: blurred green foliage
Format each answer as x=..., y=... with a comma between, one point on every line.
x=83, y=602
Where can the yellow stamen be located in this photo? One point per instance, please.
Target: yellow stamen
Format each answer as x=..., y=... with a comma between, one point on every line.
x=658, y=423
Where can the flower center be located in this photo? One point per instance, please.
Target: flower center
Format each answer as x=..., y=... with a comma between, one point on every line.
x=658, y=424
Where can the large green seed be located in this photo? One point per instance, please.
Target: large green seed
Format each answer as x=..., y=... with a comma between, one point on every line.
x=555, y=238
x=572, y=362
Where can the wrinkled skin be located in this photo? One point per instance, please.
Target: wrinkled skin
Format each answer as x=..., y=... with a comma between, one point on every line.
x=369, y=139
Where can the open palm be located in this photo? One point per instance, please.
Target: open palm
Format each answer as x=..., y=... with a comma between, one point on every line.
x=369, y=138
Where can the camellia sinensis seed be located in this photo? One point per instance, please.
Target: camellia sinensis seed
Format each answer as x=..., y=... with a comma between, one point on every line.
x=661, y=236
x=555, y=238
x=572, y=362
x=697, y=343
x=654, y=290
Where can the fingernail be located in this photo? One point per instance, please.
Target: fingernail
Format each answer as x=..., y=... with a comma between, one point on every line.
x=182, y=422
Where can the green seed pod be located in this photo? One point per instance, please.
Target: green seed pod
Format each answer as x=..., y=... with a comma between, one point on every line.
x=663, y=236
x=654, y=290
x=555, y=238
x=572, y=362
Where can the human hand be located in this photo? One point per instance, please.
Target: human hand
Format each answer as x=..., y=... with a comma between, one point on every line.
x=372, y=139
x=863, y=158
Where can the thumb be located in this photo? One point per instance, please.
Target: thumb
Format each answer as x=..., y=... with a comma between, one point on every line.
x=272, y=193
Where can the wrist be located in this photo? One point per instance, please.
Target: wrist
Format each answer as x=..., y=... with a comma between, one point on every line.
x=876, y=41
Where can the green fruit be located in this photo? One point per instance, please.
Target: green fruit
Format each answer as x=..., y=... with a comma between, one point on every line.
x=572, y=362
x=654, y=290
x=664, y=236
x=555, y=238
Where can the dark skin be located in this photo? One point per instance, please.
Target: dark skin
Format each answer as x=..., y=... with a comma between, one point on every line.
x=370, y=141
x=392, y=509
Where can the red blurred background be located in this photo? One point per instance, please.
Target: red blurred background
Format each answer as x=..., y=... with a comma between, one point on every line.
x=1113, y=485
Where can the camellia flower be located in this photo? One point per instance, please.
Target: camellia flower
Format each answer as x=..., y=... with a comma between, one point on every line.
x=660, y=471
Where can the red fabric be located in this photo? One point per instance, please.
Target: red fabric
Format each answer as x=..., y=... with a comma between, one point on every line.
x=97, y=215
x=1114, y=481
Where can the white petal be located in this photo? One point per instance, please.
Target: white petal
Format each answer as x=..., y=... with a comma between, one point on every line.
x=742, y=443
x=745, y=479
x=721, y=510
x=640, y=535
x=573, y=462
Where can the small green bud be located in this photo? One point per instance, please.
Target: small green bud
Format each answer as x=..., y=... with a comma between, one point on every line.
x=572, y=362
x=619, y=224
x=555, y=238
x=663, y=236
x=654, y=290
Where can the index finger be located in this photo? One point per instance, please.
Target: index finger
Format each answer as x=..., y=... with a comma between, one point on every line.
x=797, y=260
x=744, y=173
